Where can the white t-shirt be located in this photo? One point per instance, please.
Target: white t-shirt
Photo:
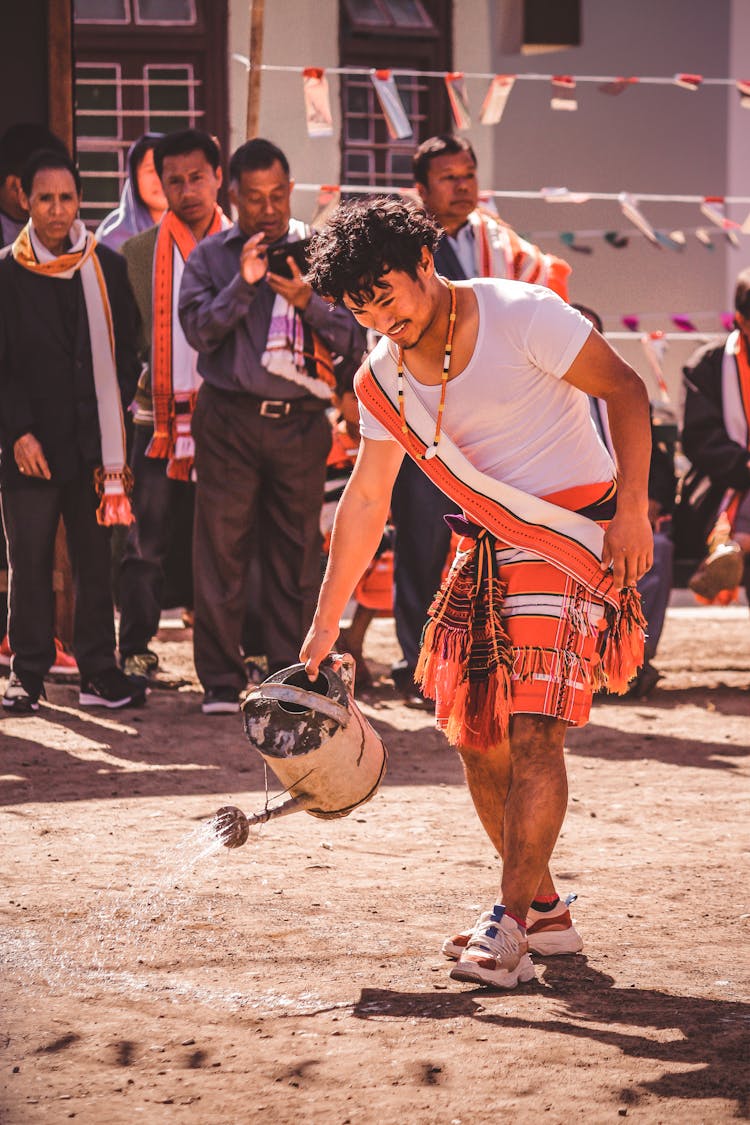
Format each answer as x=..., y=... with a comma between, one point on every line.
x=509, y=411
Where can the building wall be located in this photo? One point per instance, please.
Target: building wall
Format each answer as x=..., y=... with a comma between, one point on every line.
x=298, y=34
x=651, y=139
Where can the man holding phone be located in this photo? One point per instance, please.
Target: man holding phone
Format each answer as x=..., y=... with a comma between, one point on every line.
x=267, y=347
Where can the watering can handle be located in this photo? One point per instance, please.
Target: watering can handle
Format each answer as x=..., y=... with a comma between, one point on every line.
x=310, y=700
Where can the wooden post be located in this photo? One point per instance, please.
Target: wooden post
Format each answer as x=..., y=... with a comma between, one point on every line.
x=253, y=76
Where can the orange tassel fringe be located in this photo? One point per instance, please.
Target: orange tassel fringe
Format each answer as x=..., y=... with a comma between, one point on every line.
x=160, y=445
x=623, y=650
x=466, y=656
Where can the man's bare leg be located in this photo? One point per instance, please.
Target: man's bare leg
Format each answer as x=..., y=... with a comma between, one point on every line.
x=488, y=777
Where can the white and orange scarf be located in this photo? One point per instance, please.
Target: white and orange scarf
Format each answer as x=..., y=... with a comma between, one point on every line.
x=174, y=364
x=503, y=253
x=289, y=345
x=112, y=479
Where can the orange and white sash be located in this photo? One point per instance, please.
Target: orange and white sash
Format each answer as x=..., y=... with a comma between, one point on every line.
x=174, y=375
x=561, y=537
x=502, y=253
x=112, y=478
x=735, y=389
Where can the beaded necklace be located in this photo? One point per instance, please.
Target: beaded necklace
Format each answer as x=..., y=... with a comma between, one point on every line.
x=430, y=453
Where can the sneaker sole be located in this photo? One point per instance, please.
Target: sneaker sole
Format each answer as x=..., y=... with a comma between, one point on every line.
x=86, y=700
x=552, y=943
x=470, y=973
x=220, y=708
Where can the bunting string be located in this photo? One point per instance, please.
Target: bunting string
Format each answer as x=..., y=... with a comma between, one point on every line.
x=685, y=81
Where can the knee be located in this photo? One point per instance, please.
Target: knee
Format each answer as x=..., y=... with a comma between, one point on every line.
x=536, y=741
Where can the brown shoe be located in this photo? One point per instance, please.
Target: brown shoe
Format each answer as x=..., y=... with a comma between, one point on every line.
x=722, y=570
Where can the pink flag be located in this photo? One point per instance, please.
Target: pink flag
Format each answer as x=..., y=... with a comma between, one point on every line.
x=317, y=102
x=563, y=92
x=458, y=98
x=688, y=81
x=399, y=128
x=495, y=100
x=618, y=86
x=684, y=323
x=727, y=320
x=631, y=322
x=743, y=88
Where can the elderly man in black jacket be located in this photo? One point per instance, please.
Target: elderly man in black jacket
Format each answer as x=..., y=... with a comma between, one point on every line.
x=68, y=367
x=716, y=440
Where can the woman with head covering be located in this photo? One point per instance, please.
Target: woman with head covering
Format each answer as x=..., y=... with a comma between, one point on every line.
x=142, y=202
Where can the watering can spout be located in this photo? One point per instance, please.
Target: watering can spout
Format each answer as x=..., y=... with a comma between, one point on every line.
x=232, y=827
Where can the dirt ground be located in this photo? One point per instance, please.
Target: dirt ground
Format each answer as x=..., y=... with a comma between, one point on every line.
x=300, y=978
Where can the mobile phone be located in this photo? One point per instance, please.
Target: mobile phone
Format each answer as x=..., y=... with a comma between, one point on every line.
x=277, y=257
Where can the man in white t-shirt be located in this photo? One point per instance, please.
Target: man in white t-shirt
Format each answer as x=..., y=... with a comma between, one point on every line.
x=484, y=384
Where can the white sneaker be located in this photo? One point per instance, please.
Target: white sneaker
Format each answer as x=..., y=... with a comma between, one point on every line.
x=497, y=953
x=548, y=933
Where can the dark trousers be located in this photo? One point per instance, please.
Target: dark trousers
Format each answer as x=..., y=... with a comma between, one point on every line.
x=30, y=515
x=161, y=506
x=421, y=548
x=259, y=480
x=655, y=588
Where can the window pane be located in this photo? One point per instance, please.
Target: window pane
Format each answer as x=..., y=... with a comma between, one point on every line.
x=401, y=167
x=101, y=11
x=100, y=172
x=165, y=11
x=366, y=12
x=98, y=102
x=408, y=13
x=358, y=166
x=169, y=98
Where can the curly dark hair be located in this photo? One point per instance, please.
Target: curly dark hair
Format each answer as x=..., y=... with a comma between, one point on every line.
x=365, y=239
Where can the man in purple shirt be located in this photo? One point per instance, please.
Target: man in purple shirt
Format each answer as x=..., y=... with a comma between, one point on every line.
x=267, y=345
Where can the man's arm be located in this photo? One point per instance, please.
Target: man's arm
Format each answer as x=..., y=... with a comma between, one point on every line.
x=16, y=414
x=600, y=371
x=209, y=314
x=334, y=324
x=126, y=320
x=357, y=529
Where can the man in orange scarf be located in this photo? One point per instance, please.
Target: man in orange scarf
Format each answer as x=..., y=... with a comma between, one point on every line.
x=475, y=243
x=67, y=367
x=188, y=164
x=484, y=383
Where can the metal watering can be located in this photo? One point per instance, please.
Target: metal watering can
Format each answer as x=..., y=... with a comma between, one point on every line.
x=317, y=742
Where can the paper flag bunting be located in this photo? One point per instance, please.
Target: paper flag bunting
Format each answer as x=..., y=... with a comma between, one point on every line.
x=743, y=87
x=394, y=113
x=563, y=92
x=328, y=198
x=495, y=100
x=688, y=81
x=655, y=347
x=684, y=323
x=562, y=195
x=317, y=102
x=631, y=322
x=619, y=241
x=629, y=206
x=619, y=86
x=727, y=320
x=459, y=99
x=569, y=239
x=678, y=236
x=703, y=236
x=713, y=207
x=669, y=242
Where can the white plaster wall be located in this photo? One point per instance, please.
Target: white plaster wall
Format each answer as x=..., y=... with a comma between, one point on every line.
x=296, y=33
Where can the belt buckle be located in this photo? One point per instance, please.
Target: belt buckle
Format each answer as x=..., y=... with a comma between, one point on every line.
x=274, y=408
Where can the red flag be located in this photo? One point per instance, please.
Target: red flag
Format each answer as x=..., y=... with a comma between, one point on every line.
x=458, y=98
x=563, y=92
x=688, y=81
